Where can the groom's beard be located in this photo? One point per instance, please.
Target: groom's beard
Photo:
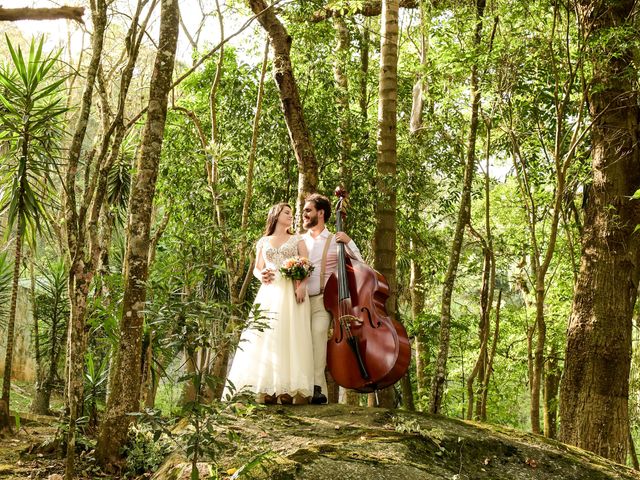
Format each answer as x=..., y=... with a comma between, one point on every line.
x=310, y=222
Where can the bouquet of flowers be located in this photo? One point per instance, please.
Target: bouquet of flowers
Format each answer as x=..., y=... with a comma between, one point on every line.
x=296, y=268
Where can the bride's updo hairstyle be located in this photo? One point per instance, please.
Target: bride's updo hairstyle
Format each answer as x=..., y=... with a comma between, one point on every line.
x=272, y=219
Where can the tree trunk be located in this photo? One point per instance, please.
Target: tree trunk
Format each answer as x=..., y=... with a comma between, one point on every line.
x=420, y=341
x=420, y=87
x=290, y=101
x=365, y=38
x=540, y=327
x=464, y=213
x=80, y=273
x=342, y=100
x=125, y=395
x=595, y=387
x=76, y=347
x=42, y=395
x=492, y=355
x=384, y=241
x=11, y=323
x=551, y=385
x=479, y=368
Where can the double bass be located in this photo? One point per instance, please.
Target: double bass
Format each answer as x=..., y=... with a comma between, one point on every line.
x=367, y=350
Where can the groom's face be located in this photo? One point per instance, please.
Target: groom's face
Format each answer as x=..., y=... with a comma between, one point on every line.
x=309, y=216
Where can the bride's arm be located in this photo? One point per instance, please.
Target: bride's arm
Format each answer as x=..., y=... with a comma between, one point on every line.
x=257, y=270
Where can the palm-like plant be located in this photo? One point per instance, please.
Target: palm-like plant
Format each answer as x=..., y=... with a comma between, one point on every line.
x=5, y=285
x=53, y=311
x=30, y=129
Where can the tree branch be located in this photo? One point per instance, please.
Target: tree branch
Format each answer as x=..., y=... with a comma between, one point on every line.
x=368, y=9
x=14, y=14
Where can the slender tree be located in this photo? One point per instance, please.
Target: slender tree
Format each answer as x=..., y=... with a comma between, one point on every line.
x=464, y=214
x=125, y=393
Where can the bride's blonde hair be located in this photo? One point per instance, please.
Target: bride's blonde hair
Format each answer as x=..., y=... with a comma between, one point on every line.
x=272, y=219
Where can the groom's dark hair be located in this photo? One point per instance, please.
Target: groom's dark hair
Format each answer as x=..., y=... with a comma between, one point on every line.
x=321, y=203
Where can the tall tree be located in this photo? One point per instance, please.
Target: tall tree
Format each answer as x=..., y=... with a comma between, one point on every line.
x=384, y=241
x=464, y=214
x=125, y=393
x=30, y=116
x=595, y=387
x=290, y=101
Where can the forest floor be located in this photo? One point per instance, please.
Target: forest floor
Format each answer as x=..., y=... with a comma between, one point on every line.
x=320, y=442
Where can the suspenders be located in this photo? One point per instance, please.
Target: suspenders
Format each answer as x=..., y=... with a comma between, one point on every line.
x=324, y=262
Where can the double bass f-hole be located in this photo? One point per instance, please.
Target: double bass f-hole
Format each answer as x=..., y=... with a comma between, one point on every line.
x=378, y=323
x=345, y=326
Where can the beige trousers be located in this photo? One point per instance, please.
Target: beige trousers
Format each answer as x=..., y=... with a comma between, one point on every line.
x=320, y=320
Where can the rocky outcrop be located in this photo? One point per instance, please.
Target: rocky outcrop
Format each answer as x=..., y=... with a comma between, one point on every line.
x=339, y=441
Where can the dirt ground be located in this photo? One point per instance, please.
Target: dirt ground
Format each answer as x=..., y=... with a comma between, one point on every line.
x=16, y=464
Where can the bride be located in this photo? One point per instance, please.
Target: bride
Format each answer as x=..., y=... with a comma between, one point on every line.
x=277, y=363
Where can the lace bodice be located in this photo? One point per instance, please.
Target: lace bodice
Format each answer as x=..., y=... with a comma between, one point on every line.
x=275, y=257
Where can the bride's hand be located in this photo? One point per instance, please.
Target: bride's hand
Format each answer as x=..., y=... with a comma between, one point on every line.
x=301, y=292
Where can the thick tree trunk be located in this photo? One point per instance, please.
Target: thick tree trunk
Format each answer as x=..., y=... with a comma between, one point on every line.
x=595, y=387
x=464, y=213
x=384, y=240
x=125, y=395
x=290, y=101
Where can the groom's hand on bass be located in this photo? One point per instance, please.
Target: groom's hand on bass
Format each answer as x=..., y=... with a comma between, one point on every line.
x=342, y=237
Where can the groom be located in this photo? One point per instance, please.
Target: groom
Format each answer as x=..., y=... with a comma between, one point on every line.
x=323, y=254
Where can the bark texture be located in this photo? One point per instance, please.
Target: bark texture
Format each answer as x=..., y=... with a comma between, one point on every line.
x=384, y=240
x=125, y=393
x=595, y=387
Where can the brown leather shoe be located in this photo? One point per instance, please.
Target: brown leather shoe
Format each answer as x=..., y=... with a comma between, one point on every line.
x=270, y=399
x=286, y=399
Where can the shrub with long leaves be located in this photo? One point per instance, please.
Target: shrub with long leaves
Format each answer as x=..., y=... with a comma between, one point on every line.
x=31, y=129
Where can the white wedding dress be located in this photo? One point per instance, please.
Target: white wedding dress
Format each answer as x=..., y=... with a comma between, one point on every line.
x=279, y=359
